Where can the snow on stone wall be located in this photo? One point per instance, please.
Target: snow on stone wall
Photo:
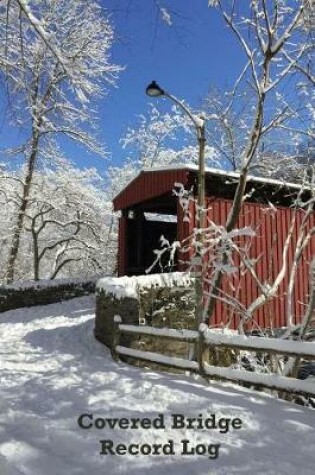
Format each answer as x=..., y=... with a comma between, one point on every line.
x=122, y=287
x=28, y=294
x=158, y=300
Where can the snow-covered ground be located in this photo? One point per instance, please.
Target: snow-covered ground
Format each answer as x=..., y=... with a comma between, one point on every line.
x=53, y=370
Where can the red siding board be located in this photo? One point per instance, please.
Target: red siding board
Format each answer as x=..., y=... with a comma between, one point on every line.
x=257, y=253
x=299, y=275
x=266, y=247
x=122, y=254
x=147, y=186
x=281, y=307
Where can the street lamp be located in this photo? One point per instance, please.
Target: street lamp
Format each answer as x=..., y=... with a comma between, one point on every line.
x=154, y=90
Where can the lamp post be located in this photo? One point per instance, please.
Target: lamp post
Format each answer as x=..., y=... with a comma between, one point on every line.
x=154, y=90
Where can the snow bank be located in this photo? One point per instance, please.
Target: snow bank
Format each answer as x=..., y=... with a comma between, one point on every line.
x=53, y=370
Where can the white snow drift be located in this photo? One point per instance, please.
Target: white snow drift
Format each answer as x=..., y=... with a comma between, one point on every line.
x=53, y=371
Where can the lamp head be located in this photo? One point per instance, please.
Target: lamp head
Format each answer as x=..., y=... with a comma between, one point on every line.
x=154, y=90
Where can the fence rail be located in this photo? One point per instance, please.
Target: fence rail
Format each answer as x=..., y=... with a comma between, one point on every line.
x=171, y=333
x=206, y=340
x=171, y=361
x=268, y=345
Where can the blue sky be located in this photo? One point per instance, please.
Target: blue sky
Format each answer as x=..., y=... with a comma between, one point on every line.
x=185, y=59
x=197, y=51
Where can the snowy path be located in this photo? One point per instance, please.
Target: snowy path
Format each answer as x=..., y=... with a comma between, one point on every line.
x=52, y=370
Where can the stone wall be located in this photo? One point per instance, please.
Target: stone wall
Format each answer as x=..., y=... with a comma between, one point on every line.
x=152, y=301
x=29, y=294
x=170, y=307
x=107, y=306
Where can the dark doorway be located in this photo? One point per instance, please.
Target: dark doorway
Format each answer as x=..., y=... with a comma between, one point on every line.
x=143, y=238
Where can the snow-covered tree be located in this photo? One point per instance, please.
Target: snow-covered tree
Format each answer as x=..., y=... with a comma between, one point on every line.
x=69, y=225
x=274, y=42
x=55, y=60
x=154, y=141
x=281, y=153
x=258, y=127
x=159, y=139
x=273, y=96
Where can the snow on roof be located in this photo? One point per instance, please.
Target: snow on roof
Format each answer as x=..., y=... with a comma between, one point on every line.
x=122, y=287
x=227, y=174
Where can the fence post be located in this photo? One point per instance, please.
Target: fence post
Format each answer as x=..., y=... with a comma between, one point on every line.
x=307, y=318
x=203, y=350
x=116, y=337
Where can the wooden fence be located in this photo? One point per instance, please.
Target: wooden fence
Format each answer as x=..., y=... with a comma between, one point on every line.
x=206, y=340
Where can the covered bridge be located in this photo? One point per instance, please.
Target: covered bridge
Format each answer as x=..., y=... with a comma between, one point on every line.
x=150, y=208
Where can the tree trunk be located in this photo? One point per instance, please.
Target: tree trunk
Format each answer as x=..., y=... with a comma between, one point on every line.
x=237, y=201
x=19, y=225
x=35, y=254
